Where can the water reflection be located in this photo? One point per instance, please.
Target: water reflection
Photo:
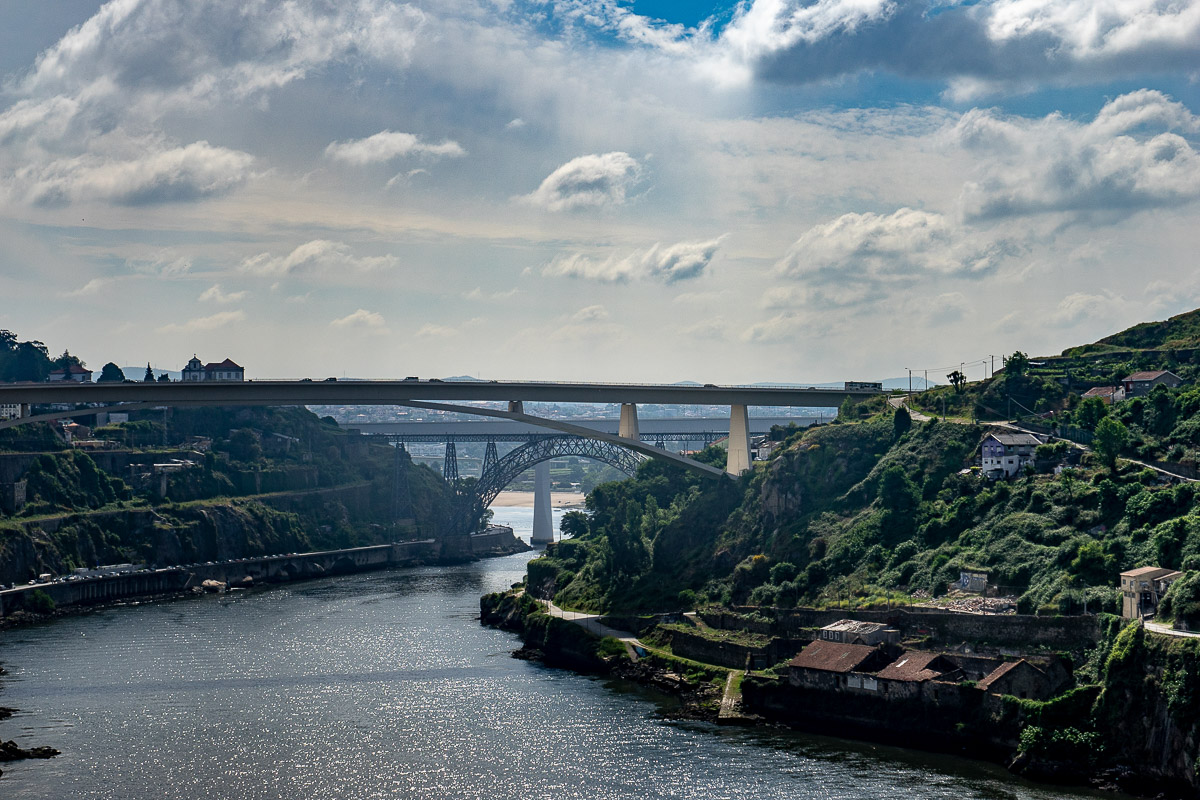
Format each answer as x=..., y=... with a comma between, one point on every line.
x=385, y=686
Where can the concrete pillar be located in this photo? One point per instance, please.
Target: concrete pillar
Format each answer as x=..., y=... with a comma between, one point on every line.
x=24, y=410
x=628, y=428
x=543, y=520
x=516, y=407
x=739, y=441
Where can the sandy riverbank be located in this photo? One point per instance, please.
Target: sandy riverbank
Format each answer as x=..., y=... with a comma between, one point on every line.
x=525, y=499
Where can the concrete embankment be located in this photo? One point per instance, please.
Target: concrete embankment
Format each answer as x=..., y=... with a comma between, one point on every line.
x=266, y=569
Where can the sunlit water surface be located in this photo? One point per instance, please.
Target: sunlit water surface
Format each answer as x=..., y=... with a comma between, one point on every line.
x=384, y=685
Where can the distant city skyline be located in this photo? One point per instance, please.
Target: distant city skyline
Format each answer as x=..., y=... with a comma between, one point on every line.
x=586, y=189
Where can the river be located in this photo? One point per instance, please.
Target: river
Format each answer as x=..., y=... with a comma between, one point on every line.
x=384, y=685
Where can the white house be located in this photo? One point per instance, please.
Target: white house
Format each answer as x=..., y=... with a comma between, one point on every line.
x=1005, y=454
x=73, y=373
x=226, y=370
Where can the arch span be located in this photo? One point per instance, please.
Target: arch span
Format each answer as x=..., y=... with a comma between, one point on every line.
x=497, y=476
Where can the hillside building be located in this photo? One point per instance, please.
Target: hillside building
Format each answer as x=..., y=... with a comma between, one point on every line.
x=1143, y=588
x=1139, y=384
x=74, y=372
x=1006, y=454
x=225, y=370
x=1108, y=395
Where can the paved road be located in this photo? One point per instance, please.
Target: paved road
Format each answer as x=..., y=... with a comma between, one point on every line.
x=1166, y=630
x=898, y=402
x=590, y=623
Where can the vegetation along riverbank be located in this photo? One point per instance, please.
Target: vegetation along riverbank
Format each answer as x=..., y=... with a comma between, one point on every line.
x=1019, y=587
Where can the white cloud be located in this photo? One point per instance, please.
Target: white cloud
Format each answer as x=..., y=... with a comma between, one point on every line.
x=858, y=258
x=1082, y=307
x=983, y=46
x=215, y=294
x=478, y=294
x=317, y=256
x=1129, y=158
x=432, y=331
x=87, y=122
x=591, y=181
x=209, y=323
x=90, y=288
x=590, y=314
x=192, y=172
x=665, y=263
x=386, y=145
x=362, y=319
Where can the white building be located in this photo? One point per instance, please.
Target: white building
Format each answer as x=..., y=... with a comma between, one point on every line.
x=10, y=410
x=1005, y=454
x=226, y=370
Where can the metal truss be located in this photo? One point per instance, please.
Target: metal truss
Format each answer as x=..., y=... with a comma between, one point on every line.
x=471, y=502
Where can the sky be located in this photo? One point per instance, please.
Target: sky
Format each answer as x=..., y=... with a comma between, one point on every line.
x=767, y=191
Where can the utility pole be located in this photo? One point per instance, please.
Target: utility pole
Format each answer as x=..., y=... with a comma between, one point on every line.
x=909, y=381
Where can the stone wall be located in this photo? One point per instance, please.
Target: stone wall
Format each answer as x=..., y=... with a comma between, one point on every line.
x=942, y=627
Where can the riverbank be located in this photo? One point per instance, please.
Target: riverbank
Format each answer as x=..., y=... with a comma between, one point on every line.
x=514, y=499
x=38, y=601
x=987, y=728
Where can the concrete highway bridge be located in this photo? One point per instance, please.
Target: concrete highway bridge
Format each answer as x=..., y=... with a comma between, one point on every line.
x=433, y=394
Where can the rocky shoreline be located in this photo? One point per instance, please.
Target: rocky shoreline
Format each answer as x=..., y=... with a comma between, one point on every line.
x=560, y=643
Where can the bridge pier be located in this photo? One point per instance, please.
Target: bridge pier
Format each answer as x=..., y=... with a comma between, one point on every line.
x=450, y=465
x=543, y=520
x=628, y=429
x=738, y=460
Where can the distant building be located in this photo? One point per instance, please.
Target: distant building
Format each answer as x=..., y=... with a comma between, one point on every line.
x=1005, y=454
x=72, y=373
x=225, y=370
x=1139, y=384
x=10, y=410
x=1107, y=394
x=853, y=631
x=1143, y=588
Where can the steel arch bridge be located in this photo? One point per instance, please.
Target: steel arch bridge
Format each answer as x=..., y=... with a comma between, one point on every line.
x=501, y=472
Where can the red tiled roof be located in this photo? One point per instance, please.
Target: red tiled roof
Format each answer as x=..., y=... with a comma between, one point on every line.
x=999, y=672
x=1101, y=391
x=226, y=364
x=74, y=369
x=912, y=667
x=832, y=657
x=1148, y=376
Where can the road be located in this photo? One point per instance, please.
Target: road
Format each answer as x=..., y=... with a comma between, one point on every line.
x=1167, y=630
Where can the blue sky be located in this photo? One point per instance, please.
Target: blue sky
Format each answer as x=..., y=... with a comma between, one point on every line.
x=777, y=190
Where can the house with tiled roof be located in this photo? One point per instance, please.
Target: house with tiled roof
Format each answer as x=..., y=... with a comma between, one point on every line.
x=1004, y=454
x=1018, y=679
x=73, y=372
x=1106, y=394
x=225, y=370
x=827, y=665
x=1139, y=384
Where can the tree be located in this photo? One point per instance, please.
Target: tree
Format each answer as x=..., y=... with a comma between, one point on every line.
x=573, y=524
x=1090, y=412
x=164, y=377
x=65, y=361
x=1111, y=437
x=848, y=409
x=957, y=380
x=1016, y=364
x=149, y=378
x=110, y=373
x=901, y=422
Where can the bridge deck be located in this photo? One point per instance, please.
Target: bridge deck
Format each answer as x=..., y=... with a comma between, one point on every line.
x=398, y=392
